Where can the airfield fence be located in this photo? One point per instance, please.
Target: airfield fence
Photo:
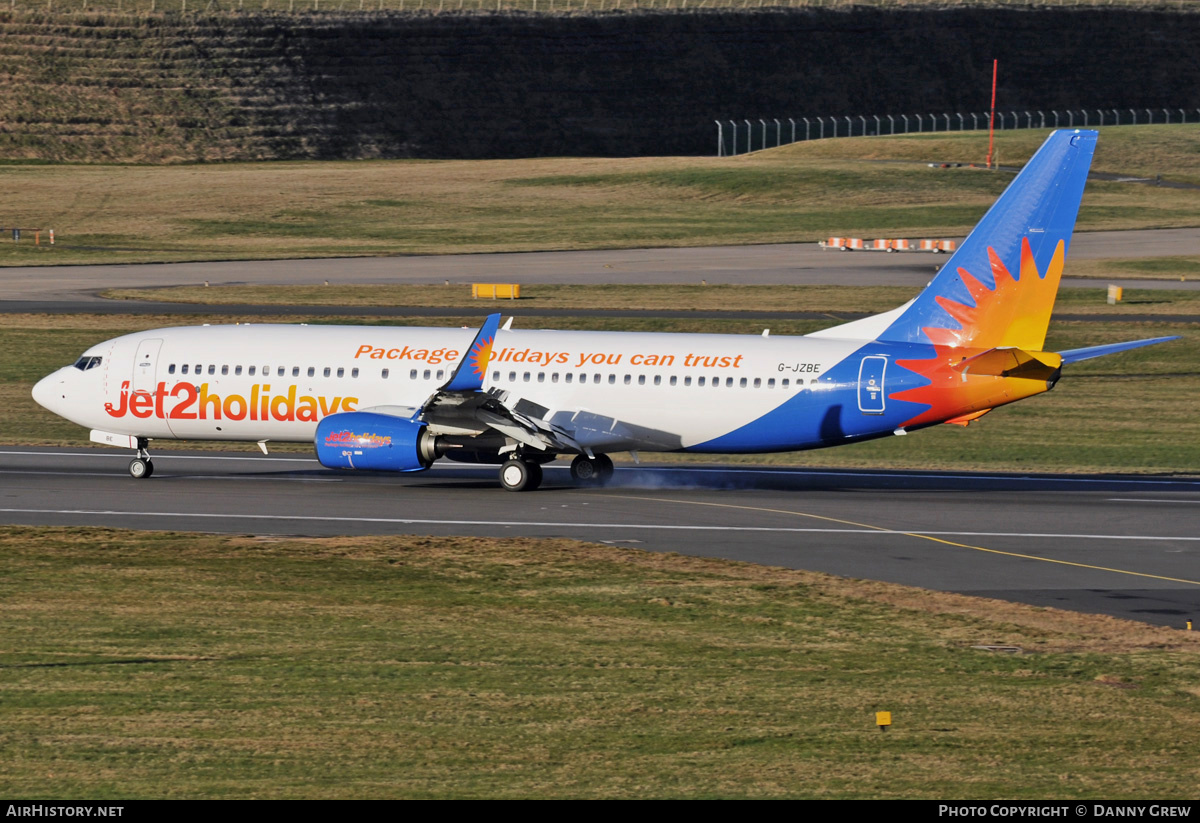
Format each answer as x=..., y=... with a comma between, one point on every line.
x=141, y=7
x=755, y=134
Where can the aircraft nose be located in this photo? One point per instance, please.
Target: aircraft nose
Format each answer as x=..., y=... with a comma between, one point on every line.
x=48, y=392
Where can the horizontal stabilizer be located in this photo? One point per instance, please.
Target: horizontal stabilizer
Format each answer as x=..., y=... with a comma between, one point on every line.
x=1009, y=362
x=1076, y=355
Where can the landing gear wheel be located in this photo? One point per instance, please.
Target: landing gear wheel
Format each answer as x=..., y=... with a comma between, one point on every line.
x=520, y=476
x=140, y=468
x=584, y=470
x=591, y=471
x=604, y=468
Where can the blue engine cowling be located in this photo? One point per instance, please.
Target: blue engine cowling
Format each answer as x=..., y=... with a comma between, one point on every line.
x=376, y=442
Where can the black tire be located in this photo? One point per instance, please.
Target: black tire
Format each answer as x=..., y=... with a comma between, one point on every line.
x=519, y=476
x=140, y=469
x=604, y=469
x=585, y=471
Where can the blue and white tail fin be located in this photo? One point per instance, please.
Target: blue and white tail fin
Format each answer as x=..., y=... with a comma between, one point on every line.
x=998, y=289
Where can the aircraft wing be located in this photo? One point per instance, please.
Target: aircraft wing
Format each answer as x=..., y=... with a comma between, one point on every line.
x=462, y=407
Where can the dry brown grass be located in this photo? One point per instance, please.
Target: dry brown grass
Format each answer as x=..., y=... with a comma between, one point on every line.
x=181, y=665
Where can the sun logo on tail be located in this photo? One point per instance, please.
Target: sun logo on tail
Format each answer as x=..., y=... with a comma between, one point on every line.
x=1011, y=313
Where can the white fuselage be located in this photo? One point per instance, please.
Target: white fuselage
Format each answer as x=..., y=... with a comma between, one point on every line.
x=274, y=382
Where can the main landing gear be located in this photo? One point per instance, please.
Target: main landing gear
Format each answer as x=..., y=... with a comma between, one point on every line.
x=517, y=475
x=523, y=475
x=141, y=466
x=591, y=471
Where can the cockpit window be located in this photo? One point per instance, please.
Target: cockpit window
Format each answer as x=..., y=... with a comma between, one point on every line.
x=85, y=363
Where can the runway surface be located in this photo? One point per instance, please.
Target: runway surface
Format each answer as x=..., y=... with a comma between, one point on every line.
x=792, y=263
x=1124, y=546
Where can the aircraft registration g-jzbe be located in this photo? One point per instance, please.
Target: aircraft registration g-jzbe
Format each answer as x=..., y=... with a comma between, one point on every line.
x=397, y=399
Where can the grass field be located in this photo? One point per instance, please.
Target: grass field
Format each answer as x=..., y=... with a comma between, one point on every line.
x=199, y=666
x=1126, y=413
x=803, y=192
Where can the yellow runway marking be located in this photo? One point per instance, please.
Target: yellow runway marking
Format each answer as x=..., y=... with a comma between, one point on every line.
x=907, y=534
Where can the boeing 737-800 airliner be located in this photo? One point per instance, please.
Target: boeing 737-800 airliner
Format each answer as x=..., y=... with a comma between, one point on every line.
x=397, y=399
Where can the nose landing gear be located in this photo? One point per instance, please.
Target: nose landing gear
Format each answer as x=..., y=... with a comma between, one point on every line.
x=141, y=466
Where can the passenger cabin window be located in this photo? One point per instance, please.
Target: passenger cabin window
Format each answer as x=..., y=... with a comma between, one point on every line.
x=224, y=370
x=237, y=370
x=295, y=371
x=171, y=369
x=183, y=369
x=280, y=371
x=329, y=371
x=567, y=377
x=384, y=374
x=412, y=375
x=312, y=371
x=251, y=370
x=495, y=376
x=512, y=377
x=212, y=369
x=341, y=371
x=784, y=383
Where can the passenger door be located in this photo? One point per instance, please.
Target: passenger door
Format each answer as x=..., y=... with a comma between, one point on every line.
x=871, y=398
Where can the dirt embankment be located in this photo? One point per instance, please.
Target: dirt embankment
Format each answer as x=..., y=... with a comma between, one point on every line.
x=110, y=87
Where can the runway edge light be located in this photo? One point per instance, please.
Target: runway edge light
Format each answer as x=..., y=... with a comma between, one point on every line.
x=883, y=720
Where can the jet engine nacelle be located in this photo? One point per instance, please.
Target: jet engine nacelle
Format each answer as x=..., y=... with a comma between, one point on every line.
x=376, y=442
